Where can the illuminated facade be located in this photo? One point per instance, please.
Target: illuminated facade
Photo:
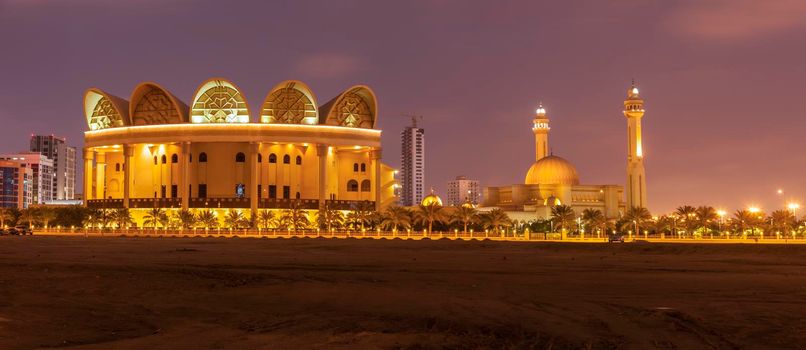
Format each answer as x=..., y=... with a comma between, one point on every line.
x=155, y=151
x=550, y=181
x=15, y=184
x=636, y=175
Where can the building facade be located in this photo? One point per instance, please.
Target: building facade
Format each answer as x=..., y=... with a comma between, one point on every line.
x=463, y=190
x=64, y=164
x=412, y=165
x=15, y=184
x=155, y=151
x=42, y=174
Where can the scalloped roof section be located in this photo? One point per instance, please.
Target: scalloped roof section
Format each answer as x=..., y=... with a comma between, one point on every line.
x=219, y=101
x=104, y=110
x=290, y=102
x=356, y=107
x=151, y=104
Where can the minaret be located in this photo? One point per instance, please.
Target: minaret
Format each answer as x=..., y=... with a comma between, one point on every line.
x=540, y=126
x=636, y=175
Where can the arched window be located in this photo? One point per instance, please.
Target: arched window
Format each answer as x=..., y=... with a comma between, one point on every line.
x=164, y=159
x=355, y=167
x=299, y=160
x=240, y=157
x=365, y=186
x=174, y=158
x=363, y=167
x=190, y=157
x=155, y=160
x=286, y=159
x=202, y=157
x=117, y=166
x=352, y=186
x=259, y=158
x=272, y=158
x=298, y=195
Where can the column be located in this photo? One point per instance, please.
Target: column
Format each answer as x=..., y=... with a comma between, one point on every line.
x=254, y=196
x=89, y=155
x=321, y=153
x=100, y=175
x=184, y=174
x=128, y=151
x=375, y=155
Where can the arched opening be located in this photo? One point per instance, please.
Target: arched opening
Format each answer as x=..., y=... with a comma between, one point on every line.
x=355, y=167
x=155, y=160
x=240, y=157
x=272, y=158
x=164, y=159
x=202, y=157
x=117, y=167
x=299, y=160
x=365, y=186
x=352, y=186
x=174, y=158
x=298, y=195
x=259, y=158
x=286, y=159
x=363, y=167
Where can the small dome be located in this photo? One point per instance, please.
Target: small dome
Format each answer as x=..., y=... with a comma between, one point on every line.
x=552, y=170
x=431, y=199
x=468, y=204
x=552, y=201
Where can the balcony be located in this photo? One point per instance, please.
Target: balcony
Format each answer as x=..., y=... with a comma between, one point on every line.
x=105, y=203
x=286, y=203
x=154, y=202
x=220, y=202
x=349, y=205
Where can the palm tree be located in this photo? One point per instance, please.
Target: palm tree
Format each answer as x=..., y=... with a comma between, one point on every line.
x=427, y=214
x=5, y=215
x=186, y=218
x=782, y=221
x=466, y=215
x=743, y=218
x=294, y=217
x=664, y=224
x=208, y=219
x=46, y=215
x=265, y=218
x=594, y=218
x=329, y=218
x=636, y=217
x=122, y=217
x=154, y=217
x=706, y=216
x=30, y=215
x=395, y=217
x=94, y=217
x=688, y=214
x=495, y=219
x=361, y=213
x=563, y=216
x=235, y=219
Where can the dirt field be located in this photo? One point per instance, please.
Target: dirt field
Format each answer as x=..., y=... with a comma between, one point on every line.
x=236, y=293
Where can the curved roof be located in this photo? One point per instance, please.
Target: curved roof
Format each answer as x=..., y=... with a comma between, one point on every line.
x=218, y=100
x=103, y=110
x=431, y=199
x=355, y=107
x=152, y=104
x=290, y=102
x=552, y=170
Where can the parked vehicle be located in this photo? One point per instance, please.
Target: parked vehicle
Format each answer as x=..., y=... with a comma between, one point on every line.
x=615, y=237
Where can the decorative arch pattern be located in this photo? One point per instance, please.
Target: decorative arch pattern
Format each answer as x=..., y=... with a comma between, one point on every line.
x=219, y=101
x=290, y=102
x=151, y=104
x=104, y=110
x=356, y=107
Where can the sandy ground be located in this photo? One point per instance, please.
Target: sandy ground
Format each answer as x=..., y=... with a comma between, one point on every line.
x=236, y=293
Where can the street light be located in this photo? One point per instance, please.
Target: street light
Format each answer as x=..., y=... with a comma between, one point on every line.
x=721, y=214
x=794, y=208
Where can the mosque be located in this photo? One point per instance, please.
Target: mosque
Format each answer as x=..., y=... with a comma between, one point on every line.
x=553, y=180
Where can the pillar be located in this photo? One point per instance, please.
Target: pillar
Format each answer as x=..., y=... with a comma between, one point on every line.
x=128, y=151
x=100, y=175
x=89, y=155
x=321, y=153
x=375, y=155
x=254, y=196
x=184, y=174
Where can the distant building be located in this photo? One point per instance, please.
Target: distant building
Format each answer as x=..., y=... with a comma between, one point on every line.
x=463, y=190
x=412, y=165
x=42, y=172
x=64, y=163
x=15, y=184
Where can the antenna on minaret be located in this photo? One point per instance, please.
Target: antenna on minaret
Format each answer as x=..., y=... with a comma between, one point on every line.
x=414, y=119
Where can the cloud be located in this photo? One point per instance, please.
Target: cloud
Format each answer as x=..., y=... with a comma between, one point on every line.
x=329, y=64
x=736, y=20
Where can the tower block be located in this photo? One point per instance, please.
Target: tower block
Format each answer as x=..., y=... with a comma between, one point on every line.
x=636, y=175
x=540, y=126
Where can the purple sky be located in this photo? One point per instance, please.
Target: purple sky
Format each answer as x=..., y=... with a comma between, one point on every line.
x=724, y=81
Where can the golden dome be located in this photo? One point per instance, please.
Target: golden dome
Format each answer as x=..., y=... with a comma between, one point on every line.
x=552, y=170
x=431, y=199
x=468, y=204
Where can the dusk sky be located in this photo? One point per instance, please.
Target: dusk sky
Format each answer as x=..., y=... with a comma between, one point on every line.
x=724, y=81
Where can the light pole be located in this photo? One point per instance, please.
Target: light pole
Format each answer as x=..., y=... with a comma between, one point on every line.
x=721, y=213
x=754, y=211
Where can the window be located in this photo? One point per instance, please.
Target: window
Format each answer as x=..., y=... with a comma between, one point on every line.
x=174, y=191
x=240, y=157
x=190, y=191
x=355, y=167
x=352, y=186
x=286, y=159
x=286, y=192
x=259, y=158
x=365, y=186
x=164, y=159
x=190, y=157
x=117, y=166
x=299, y=160
x=240, y=190
x=363, y=167
x=202, y=157
x=259, y=191
x=298, y=195
x=272, y=158
x=174, y=158
x=272, y=191
x=162, y=191
x=202, y=189
x=155, y=160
